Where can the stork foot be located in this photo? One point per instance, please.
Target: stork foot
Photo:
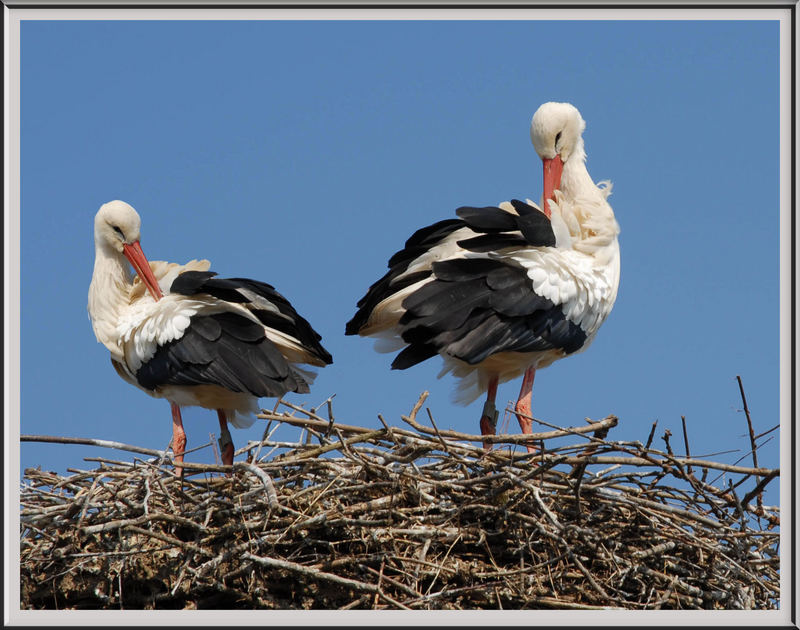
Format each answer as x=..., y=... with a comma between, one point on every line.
x=226, y=447
x=523, y=407
x=488, y=422
x=178, y=439
x=523, y=413
x=225, y=440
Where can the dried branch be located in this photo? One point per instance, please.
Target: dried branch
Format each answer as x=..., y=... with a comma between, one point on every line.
x=399, y=518
x=753, y=447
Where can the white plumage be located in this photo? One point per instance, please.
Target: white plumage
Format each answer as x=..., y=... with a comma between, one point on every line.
x=506, y=289
x=178, y=332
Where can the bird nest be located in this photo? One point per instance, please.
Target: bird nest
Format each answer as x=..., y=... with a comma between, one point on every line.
x=403, y=518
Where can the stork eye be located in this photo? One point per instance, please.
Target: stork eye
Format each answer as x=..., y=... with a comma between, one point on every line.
x=558, y=137
x=118, y=231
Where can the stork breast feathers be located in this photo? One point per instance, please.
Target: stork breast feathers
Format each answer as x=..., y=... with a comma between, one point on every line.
x=148, y=324
x=570, y=280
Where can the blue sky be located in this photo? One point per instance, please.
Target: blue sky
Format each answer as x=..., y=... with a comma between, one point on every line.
x=304, y=154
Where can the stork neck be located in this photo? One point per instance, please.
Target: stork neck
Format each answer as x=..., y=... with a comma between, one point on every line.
x=588, y=216
x=108, y=295
x=575, y=178
x=112, y=266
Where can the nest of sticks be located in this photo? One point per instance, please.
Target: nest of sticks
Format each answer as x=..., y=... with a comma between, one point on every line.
x=402, y=518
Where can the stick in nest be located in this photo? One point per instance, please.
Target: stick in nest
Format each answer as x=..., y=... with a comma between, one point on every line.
x=396, y=518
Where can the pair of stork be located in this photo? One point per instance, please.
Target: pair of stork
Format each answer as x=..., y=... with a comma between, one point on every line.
x=498, y=292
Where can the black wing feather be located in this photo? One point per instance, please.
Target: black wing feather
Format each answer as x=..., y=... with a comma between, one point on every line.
x=488, y=219
x=224, y=349
x=423, y=239
x=534, y=225
x=418, y=243
x=474, y=307
x=492, y=242
x=286, y=320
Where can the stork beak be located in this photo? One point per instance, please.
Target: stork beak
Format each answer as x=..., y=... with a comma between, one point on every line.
x=552, y=180
x=136, y=258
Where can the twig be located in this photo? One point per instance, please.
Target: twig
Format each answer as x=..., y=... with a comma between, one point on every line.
x=753, y=449
x=759, y=488
x=514, y=438
x=269, y=488
x=377, y=517
x=322, y=575
x=686, y=444
x=91, y=442
x=652, y=433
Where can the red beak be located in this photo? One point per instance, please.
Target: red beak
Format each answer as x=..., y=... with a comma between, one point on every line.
x=136, y=257
x=552, y=180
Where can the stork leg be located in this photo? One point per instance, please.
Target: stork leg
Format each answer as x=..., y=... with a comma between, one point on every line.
x=523, y=406
x=178, y=438
x=489, y=417
x=225, y=440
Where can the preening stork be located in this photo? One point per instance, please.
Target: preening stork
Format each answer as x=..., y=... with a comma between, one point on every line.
x=180, y=333
x=507, y=290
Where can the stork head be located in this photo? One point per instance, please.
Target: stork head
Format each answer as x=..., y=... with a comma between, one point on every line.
x=556, y=130
x=117, y=228
x=116, y=224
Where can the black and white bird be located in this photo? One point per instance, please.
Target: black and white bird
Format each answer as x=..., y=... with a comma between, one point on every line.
x=504, y=291
x=180, y=333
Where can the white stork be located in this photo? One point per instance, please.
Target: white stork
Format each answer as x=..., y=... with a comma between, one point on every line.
x=503, y=291
x=178, y=332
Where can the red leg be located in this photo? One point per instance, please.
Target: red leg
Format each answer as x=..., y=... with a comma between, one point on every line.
x=225, y=441
x=178, y=437
x=523, y=406
x=489, y=417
